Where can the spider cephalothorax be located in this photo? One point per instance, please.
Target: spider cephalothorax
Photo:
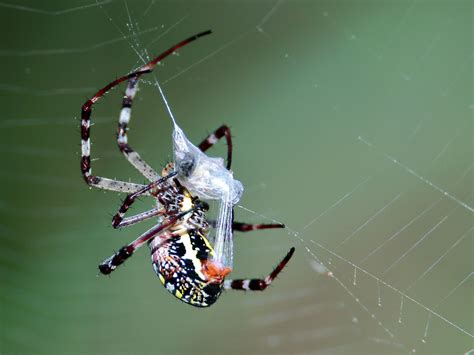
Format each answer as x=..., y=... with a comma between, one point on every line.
x=182, y=255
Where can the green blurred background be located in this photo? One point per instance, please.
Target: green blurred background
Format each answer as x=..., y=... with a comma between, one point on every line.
x=298, y=82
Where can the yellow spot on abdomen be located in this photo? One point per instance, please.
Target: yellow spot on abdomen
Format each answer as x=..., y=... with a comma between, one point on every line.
x=191, y=255
x=211, y=249
x=162, y=279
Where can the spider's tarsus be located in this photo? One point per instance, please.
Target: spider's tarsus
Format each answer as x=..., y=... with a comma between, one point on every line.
x=208, y=32
x=104, y=269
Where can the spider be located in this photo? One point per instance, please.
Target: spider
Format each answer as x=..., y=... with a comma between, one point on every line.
x=180, y=249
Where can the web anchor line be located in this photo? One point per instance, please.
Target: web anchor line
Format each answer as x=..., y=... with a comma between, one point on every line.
x=413, y=220
x=433, y=265
x=401, y=293
x=380, y=281
x=400, y=312
x=335, y=204
x=329, y=273
x=414, y=173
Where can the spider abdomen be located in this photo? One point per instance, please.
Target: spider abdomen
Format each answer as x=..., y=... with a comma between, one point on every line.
x=179, y=263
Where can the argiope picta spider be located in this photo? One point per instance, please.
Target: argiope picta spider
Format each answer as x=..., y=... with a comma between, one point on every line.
x=180, y=249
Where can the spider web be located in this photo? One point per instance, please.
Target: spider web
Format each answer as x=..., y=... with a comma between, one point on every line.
x=378, y=196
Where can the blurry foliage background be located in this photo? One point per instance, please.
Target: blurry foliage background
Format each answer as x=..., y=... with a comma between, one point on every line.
x=298, y=82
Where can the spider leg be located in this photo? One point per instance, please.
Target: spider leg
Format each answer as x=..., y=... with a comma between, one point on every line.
x=140, y=217
x=97, y=181
x=105, y=183
x=122, y=139
x=213, y=138
x=111, y=263
x=118, y=220
x=258, y=284
x=245, y=227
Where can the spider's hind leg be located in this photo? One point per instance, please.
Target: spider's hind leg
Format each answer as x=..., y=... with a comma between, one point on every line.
x=246, y=227
x=258, y=284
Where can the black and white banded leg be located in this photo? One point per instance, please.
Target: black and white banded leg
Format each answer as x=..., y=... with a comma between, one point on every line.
x=111, y=263
x=106, y=183
x=118, y=220
x=92, y=180
x=140, y=217
x=213, y=138
x=246, y=227
x=122, y=138
x=258, y=284
x=97, y=181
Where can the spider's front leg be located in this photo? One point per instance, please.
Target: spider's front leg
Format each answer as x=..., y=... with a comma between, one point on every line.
x=106, y=183
x=111, y=263
x=92, y=180
x=122, y=138
x=118, y=220
x=258, y=284
x=246, y=227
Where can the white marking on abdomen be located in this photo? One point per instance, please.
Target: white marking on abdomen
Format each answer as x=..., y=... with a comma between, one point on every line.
x=191, y=255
